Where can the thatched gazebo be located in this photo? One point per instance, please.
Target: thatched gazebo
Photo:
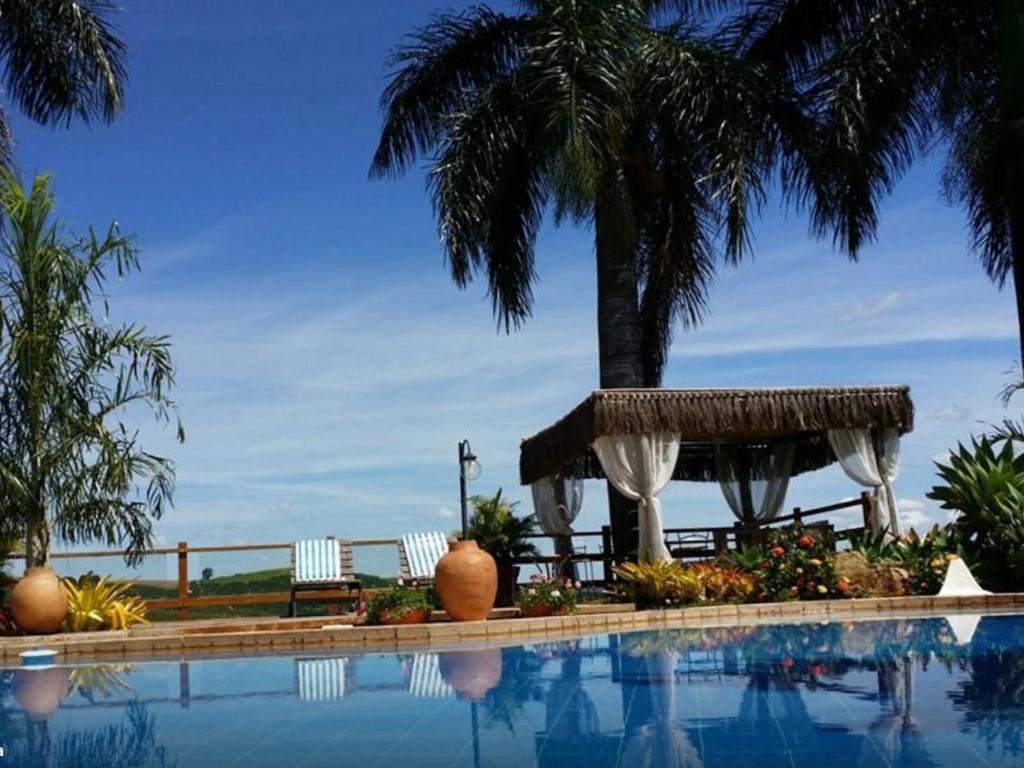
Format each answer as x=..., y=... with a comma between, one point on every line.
x=750, y=441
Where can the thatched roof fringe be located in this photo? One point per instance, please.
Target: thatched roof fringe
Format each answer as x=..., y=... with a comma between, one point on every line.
x=713, y=415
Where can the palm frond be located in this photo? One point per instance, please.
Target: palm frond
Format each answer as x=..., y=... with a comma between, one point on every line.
x=489, y=191
x=434, y=72
x=62, y=59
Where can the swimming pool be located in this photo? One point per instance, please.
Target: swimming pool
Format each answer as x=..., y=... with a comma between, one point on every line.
x=903, y=692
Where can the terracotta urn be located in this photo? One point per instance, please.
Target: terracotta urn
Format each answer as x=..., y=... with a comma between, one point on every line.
x=471, y=673
x=466, y=581
x=39, y=602
x=39, y=691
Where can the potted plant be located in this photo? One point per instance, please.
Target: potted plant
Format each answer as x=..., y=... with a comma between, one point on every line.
x=547, y=596
x=71, y=461
x=498, y=530
x=400, y=605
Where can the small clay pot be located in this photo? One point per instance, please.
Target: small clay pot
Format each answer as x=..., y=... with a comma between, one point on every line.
x=466, y=581
x=39, y=602
x=39, y=691
x=471, y=673
x=536, y=611
x=411, y=617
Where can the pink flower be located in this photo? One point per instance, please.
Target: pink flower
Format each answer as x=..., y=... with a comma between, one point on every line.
x=578, y=584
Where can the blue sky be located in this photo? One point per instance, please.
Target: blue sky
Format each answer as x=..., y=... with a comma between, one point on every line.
x=328, y=366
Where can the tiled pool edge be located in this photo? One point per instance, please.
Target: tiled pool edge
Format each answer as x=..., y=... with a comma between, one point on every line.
x=127, y=643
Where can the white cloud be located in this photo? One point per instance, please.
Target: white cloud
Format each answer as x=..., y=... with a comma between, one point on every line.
x=866, y=310
x=951, y=412
x=446, y=512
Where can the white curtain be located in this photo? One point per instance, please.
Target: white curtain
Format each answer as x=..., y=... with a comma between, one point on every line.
x=556, y=502
x=639, y=466
x=754, y=482
x=873, y=460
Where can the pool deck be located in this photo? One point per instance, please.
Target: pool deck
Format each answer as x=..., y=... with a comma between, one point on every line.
x=321, y=633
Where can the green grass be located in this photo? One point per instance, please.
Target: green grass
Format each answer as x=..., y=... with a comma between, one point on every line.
x=269, y=580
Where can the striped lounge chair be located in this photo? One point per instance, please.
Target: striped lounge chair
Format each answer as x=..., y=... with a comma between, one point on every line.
x=418, y=554
x=320, y=564
x=326, y=679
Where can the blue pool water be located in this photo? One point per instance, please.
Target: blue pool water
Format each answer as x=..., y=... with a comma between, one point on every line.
x=913, y=692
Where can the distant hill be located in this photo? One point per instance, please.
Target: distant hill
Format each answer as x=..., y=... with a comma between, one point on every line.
x=269, y=580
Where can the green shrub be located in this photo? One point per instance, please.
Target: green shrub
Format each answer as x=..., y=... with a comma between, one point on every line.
x=799, y=564
x=498, y=530
x=557, y=593
x=985, y=486
x=659, y=584
x=397, y=602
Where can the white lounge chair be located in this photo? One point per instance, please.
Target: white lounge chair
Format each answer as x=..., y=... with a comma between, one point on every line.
x=425, y=679
x=322, y=679
x=418, y=554
x=320, y=564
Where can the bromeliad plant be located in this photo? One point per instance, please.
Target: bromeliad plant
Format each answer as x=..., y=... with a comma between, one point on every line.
x=391, y=606
x=97, y=604
x=659, y=584
x=555, y=595
x=70, y=463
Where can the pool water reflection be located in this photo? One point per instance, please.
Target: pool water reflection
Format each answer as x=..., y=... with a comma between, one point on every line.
x=914, y=692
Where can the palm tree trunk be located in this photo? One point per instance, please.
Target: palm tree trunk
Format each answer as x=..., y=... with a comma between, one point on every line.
x=1011, y=88
x=618, y=334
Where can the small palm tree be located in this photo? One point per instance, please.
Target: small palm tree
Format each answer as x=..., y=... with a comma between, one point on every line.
x=498, y=530
x=889, y=79
x=69, y=462
x=61, y=60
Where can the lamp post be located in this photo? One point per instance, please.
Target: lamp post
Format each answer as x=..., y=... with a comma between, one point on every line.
x=469, y=470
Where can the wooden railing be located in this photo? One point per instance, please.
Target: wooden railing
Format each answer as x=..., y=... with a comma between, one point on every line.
x=720, y=538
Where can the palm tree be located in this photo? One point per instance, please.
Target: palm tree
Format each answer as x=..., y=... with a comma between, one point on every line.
x=891, y=78
x=69, y=462
x=613, y=113
x=61, y=60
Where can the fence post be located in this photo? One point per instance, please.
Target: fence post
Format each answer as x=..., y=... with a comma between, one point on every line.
x=606, y=550
x=182, y=580
x=868, y=504
x=796, y=516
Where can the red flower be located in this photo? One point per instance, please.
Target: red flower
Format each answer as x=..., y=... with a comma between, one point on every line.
x=805, y=542
x=764, y=566
x=788, y=663
x=817, y=669
x=843, y=587
x=778, y=551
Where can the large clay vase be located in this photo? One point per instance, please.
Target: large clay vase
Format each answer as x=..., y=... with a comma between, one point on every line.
x=39, y=691
x=466, y=581
x=471, y=673
x=39, y=602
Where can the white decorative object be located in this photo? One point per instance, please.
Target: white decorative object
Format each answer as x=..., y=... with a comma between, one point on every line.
x=963, y=625
x=639, y=466
x=873, y=463
x=960, y=582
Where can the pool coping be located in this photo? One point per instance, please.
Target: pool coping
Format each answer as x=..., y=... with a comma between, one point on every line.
x=324, y=635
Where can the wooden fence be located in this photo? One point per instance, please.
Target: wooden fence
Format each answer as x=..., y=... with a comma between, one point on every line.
x=716, y=540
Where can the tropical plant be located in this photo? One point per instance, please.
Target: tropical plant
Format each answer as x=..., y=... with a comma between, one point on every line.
x=659, y=583
x=875, y=546
x=558, y=594
x=98, y=680
x=722, y=583
x=800, y=565
x=101, y=603
x=69, y=462
x=399, y=601
x=498, y=530
x=985, y=486
x=616, y=113
x=62, y=59
x=888, y=78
